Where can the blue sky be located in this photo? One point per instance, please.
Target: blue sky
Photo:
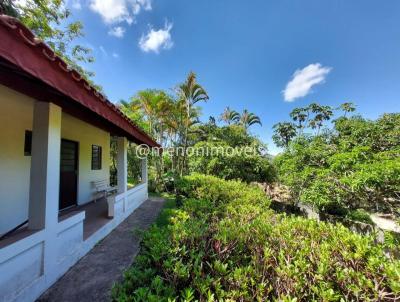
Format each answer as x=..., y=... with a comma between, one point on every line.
x=246, y=52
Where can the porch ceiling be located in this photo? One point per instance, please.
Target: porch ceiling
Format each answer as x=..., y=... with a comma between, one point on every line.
x=32, y=68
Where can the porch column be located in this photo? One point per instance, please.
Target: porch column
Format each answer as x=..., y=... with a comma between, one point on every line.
x=144, y=170
x=122, y=164
x=45, y=166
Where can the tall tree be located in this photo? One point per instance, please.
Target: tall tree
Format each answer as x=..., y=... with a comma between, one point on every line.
x=347, y=108
x=191, y=93
x=283, y=134
x=321, y=114
x=154, y=110
x=300, y=115
x=230, y=116
x=148, y=102
x=247, y=119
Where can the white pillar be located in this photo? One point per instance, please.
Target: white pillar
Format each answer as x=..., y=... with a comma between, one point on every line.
x=122, y=164
x=144, y=170
x=45, y=166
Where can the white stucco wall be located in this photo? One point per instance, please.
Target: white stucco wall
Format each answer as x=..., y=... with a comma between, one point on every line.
x=87, y=135
x=16, y=112
x=16, y=116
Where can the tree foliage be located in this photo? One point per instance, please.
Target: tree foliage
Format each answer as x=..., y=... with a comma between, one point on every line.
x=284, y=133
x=245, y=156
x=230, y=116
x=190, y=93
x=50, y=21
x=355, y=164
x=248, y=119
x=173, y=120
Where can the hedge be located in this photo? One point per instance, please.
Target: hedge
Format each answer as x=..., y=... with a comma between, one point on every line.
x=225, y=244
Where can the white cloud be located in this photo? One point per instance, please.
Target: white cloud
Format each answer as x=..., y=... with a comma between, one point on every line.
x=303, y=81
x=115, y=55
x=155, y=40
x=117, y=31
x=114, y=11
x=110, y=10
x=138, y=5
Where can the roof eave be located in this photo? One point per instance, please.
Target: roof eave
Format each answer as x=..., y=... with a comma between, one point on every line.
x=20, y=47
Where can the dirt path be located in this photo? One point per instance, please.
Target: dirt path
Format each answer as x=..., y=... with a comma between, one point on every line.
x=92, y=277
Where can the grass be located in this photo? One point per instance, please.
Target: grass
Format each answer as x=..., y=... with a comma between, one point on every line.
x=169, y=205
x=163, y=218
x=132, y=182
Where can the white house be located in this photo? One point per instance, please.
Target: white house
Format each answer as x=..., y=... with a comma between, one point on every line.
x=55, y=132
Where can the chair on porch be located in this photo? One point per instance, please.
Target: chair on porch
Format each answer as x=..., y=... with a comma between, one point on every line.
x=102, y=189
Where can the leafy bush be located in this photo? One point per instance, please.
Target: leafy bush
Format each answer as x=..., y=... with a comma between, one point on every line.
x=216, y=190
x=360, y=215
x=252, y=166
x=225, y=244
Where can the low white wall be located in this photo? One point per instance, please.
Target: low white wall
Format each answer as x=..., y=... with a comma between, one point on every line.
x=69, y=239
x=135, y=196
x=125, y=203
x=21, y=266
x=29, y=266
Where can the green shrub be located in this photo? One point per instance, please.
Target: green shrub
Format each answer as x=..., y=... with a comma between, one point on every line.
x=224, y=244
x=360, y=215
x=230, y=152
x=217, y=190
x=251, y=167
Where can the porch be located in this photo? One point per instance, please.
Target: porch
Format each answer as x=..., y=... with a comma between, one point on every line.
x=48, y=184
x=48, y=167
x=37, y=258
x=96, y=216
x=55, y=131
x=105, y=263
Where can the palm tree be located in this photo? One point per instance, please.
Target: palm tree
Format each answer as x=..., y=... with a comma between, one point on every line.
x=347, y=107
x=322, y=114
x=153, y=108
x=247, y=119
x=283, y=134
x=212, y=121
x=190, y=92
x=230, y=116
x=300, y=115
x=147, y=102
